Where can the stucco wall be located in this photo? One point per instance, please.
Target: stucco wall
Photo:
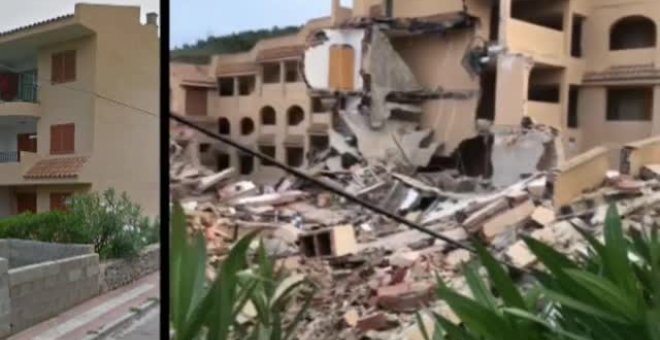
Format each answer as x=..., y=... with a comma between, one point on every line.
x=6, y=202
x=126, y=140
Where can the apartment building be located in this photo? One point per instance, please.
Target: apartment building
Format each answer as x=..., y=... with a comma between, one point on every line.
x=79, y=109
x=588, y=68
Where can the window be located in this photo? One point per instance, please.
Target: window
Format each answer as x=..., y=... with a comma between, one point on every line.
x=204, y=147
x=196, y=99
x=319, y=143
x=268, y=116
x=269, y=151
x=226, y=87
x=544, y=93
x=58, y=201
x=246, y=164
x=222, y=161
x=224, y=127
x=633, y=32
x=291, y=72
x=294, y=156
x=62, y=139
x=576, y=38
x=271, y=73
x=63, y=67
x=247, y=126
x=295, y=115
x=573, y=93
x=246, y=85
x=629, y=104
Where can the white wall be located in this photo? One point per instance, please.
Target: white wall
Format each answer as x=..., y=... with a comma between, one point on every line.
x=317, y=58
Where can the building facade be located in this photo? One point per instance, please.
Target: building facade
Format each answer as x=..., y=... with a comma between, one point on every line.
x=79, y=109
x=588, y=68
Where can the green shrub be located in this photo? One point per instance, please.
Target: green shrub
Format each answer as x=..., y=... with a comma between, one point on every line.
x=114, y=225
x=605, y=296
x=219, y=311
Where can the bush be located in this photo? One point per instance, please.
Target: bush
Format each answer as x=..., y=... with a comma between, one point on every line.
x=612, y=294
x=114, y=225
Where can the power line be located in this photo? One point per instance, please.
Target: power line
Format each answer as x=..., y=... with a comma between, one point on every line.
x=95, y=94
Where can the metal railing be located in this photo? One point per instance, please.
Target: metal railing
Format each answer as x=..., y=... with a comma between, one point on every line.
x=9, y=157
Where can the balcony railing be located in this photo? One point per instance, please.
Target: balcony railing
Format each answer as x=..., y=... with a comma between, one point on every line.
x=24, y=88
x=9, y=157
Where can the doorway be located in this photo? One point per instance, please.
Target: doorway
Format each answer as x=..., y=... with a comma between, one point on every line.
x=26, y=202
x=26, y=142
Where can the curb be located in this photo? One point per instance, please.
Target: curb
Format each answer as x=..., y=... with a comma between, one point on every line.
x=125, y=320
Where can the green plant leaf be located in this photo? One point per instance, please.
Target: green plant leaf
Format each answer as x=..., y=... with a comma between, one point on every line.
x=452, y=331
x=572, y=303
x=480, y=319
x=220, y=318
x=607, y=293
x=501, y=280
x=617, y=265
x=479, y=290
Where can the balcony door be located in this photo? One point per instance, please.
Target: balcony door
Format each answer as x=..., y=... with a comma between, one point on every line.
x=26, y=142
x=26, y=202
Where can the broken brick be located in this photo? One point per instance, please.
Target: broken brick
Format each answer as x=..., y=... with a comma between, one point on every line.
x=405, y=297
x=376, y=322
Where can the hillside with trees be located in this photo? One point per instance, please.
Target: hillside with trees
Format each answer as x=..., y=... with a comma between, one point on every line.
x=201, y=51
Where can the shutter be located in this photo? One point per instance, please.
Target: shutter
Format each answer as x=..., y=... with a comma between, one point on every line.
x=342, y=66
x=69, y=65
x=58, y=201
x=55, y=144
x=68, y=138
x=56, y=68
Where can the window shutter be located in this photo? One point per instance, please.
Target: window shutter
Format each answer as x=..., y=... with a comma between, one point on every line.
x=58, y=201
x=69, y=65
x=68, y=139
x=55, y=145
x=56, y=68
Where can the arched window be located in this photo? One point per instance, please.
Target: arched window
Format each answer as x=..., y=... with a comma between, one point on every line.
x=268, y=116
x=224, y=127
x=295, y=115
x=247, y=126
x=633, y=32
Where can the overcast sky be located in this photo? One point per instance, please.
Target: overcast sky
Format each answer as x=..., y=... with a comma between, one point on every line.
x=17, y=13
x=197, y=19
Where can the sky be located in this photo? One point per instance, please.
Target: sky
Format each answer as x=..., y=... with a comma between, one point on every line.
x=18, y=13
x=191, y=20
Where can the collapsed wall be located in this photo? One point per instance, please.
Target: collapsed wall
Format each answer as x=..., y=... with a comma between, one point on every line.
x=412, y=92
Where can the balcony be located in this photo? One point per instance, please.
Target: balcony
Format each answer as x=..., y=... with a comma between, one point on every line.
x=18, y=94
x=9, y=157
x=545, y=45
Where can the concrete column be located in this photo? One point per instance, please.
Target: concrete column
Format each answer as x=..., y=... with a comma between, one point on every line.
x=336, y=6
x=5, y=307
x=235, y=79
x=512, y=83
x=655, y=123
x=505, y=15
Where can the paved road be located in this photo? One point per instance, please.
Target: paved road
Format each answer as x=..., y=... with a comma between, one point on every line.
x=146, y=328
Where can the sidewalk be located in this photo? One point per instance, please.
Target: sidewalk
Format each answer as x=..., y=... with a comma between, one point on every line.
x=90, y=316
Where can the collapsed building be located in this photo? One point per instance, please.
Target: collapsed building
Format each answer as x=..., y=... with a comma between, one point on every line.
x=474, y=119
x=482, y=86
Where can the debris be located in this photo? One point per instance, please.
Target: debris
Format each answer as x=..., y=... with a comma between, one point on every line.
x=335, y=241
x=543, y=216
x=507, y=219
x=520, y=255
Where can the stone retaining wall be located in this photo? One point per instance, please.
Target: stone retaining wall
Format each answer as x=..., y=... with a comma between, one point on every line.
x=117, y=273
x=24, y=253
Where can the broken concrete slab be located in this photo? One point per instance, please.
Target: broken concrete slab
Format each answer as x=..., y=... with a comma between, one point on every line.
x=207, y=182
x=520, y=255
x=508, y=219
x=543, y=216
x=517, y=154
x=579, y=174
x=270, y=199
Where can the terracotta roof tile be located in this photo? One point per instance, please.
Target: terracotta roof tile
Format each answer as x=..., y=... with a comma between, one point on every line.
x=281, y=52
x=67, y=167
x=39, y=23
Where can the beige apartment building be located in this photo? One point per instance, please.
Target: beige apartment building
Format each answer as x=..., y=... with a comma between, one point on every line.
x=79, y=109
x=588, y=68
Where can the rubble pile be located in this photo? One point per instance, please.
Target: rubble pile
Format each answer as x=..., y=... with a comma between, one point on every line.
x=372, y=272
